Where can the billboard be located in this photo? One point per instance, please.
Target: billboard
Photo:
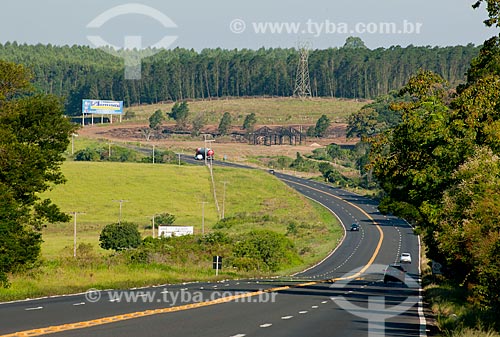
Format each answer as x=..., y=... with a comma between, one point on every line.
x=99, y=107
x=169, y=231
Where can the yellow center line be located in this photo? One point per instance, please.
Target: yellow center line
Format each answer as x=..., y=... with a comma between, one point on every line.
x=377, y=225
x=124, y=317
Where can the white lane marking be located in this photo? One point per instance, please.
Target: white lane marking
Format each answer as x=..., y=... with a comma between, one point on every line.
x=239, y=335
x=286, y=317
x=166, y=291
x=115, y=300
x=81, y=303
x=266, y=325
x=35, y=308
x=303, y=312
x=324, y=302
x=423, y=321
x=314, y=307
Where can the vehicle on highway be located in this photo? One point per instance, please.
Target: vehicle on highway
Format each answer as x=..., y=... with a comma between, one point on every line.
x=394, y=273
x=201, y=152
x=405, y=258
x=354, y=227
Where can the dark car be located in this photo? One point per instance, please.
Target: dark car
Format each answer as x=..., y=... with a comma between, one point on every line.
x=354, y=227
x=394, y=273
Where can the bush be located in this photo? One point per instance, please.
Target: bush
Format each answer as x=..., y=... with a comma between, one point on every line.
x=242, y=219
x=271, y=250
x=118, y=154
x=120, y=236
x=87, y=154
x=280, y=162
x=215, y=238
x=304, y=165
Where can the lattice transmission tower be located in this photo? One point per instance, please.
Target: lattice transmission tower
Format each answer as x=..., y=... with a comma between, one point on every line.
x=302, y=80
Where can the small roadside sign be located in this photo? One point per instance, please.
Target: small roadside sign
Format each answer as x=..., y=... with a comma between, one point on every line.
x=217, y=264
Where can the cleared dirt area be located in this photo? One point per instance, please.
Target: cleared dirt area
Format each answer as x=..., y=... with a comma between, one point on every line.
x=234, y=150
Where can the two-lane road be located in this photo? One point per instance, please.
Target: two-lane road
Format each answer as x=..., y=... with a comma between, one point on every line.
x=357, y=303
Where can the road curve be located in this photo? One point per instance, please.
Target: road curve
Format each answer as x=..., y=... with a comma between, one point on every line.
x=343, y=295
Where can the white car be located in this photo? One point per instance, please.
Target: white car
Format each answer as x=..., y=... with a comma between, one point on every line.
x=405, y=258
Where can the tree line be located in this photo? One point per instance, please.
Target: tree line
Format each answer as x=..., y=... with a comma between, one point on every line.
x=352, y=71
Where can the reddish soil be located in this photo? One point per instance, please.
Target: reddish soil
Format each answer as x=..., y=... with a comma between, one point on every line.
x=228, y=146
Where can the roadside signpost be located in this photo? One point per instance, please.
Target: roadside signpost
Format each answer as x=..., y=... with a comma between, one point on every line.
x=217, y=264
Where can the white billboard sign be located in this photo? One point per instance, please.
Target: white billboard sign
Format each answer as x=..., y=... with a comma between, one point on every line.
x=169, y=231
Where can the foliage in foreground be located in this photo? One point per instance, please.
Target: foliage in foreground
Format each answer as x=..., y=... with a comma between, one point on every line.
x=439, y=168
x=33, y=136
x=453, y=314
x=258, y=250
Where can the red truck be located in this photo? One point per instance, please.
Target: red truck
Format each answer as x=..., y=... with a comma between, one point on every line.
x=201, y=152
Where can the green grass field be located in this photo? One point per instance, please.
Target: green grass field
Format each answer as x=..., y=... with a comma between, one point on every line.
x=277, y=111
x=95, y=188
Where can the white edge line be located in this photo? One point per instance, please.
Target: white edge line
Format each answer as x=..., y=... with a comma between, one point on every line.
x=423, y=321
x=102, y=290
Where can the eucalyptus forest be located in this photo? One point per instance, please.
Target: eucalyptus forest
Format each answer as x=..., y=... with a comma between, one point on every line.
x=351, y=71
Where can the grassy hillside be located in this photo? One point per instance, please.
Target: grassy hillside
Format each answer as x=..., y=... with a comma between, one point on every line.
x=255, y=196
x=278, y=111
x=95, y=188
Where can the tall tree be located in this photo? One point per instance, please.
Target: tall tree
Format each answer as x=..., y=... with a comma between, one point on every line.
x=198, y=123
x=180, y=113
x=493, y=8
x=249, y=122
x=225, y=124
x=414, y=162
x=156, y=119
x=469, y=227
x=33, y=136
x=322, y=125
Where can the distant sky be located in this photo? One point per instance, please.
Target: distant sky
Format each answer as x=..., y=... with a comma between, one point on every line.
x=230, y=24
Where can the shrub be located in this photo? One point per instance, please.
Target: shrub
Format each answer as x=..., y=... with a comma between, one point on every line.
x=120, y=236
x=272, y=250
x=87, y=154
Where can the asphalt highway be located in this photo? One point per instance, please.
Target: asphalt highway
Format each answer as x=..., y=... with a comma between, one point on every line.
x=344, y=295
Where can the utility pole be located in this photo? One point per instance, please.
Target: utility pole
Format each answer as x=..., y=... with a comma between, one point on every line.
x=74, y=231
x=73, y=135
x=205, y=141
x=203, y=217
x=153, y=220
x=224, y=198
x=121, y=201
x=205, y=148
